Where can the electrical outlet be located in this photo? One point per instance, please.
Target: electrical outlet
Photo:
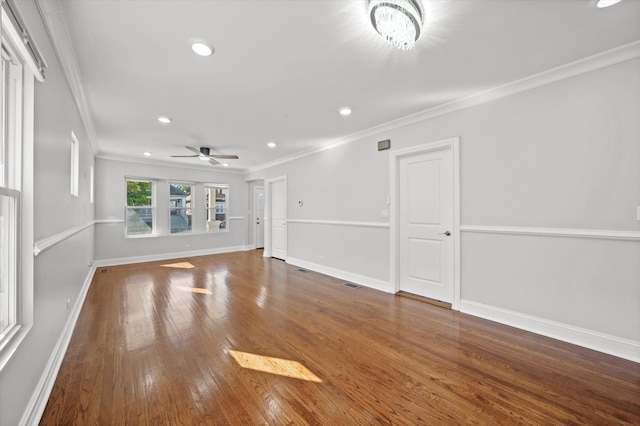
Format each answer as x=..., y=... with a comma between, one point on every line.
x=68, y=304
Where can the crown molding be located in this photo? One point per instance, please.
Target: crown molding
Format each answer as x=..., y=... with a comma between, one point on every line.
x=51, y=14
x=586, y=65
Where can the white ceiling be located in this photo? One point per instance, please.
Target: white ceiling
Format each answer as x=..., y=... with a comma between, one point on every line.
x=282, y=68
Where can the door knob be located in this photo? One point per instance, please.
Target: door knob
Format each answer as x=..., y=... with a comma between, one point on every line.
x=446, y=233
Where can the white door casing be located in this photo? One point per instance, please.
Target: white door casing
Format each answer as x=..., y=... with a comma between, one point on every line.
x=258, y=206
x=425, y=194
x=276, y=226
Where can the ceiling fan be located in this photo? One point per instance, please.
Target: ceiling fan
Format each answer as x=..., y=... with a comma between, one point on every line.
x=204, y=154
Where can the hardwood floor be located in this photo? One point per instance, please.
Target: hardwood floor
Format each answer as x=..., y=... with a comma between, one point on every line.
x=164, y=343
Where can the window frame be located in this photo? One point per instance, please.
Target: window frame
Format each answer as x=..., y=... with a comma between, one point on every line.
x=189, y=206
x=18, y=175
x=75, y=165
x=152, y=207
x=12, y=271
x=217, y=210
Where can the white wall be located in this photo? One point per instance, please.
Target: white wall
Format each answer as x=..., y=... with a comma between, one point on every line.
x=112, y=247
x=62, y=269
x=562, y=155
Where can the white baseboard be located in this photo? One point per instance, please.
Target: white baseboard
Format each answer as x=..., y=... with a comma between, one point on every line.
x=168, y=256
x=40, y=397
x=343, y=275
x=612, y=345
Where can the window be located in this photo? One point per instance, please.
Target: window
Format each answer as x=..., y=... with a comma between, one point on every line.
x=75, y=164
x=9, y=214
x=21, y=63
x=180, y=208
x=140, y=207
x=10, y=186
x=92, y=178
x=216, y=202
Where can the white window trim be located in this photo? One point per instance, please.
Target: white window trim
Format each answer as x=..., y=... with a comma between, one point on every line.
x=22, y=178
x=226, y=209
x=154, y=215
x=192, y=207
x=75, y=164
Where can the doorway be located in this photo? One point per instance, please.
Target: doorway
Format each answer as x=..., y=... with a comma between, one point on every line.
x=275, y=240
x=258, y=207
x=425, y=221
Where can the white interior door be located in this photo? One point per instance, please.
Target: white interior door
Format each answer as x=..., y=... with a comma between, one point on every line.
x=258, y=204
x=426, y=223
x=278, y=207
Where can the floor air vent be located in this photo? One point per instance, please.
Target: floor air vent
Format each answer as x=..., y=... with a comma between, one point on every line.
x=302, y=270
x=352, y=285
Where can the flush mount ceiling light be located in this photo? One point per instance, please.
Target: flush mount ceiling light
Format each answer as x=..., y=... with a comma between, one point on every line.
x=344, y=111
x=399, y=22
x=146, y=154
x=201, y=47
x=164, y=120
x=271, y=144
x=606, y=3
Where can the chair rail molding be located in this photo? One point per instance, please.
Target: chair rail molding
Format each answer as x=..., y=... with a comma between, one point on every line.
x=48, y=242
x=602, y=234
x=341, y=223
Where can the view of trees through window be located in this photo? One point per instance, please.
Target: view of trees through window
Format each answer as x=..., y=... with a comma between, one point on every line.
x=139, y=207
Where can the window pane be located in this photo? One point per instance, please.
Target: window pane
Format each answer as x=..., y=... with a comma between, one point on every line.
x=139, y=207
x=180, y=207
x=139, y=221
x=139, y=193
x=8, y=262
x=217, y=198
x=180, y=221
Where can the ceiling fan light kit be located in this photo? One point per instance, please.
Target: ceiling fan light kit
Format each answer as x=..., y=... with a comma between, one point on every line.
x=204, y=153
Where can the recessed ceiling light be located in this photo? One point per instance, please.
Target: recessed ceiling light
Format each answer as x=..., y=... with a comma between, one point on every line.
x=146, y=154
x=201, y=47
x=606, y=3
x=164, y=120
x=271, y=144
x=345, y=111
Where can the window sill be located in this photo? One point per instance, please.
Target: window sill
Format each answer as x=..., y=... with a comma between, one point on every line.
x=12, y=344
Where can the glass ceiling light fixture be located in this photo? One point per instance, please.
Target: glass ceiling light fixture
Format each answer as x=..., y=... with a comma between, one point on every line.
x=201, y=47
x=399, y=22
x=606, y=3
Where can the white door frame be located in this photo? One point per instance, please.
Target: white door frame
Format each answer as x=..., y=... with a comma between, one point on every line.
x=394, y=217
x=256, y=218
x=268, y=187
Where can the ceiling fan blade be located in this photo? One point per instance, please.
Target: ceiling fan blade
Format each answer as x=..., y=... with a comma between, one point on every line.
x=183, y=156
x=228, y=157
x=196, y=150
x=212, y=161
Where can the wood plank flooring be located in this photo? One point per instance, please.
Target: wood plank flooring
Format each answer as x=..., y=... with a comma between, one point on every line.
x=160, y=344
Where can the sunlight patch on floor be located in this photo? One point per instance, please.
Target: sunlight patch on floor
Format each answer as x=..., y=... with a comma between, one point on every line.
x=194, y=290
x=281, y=367
x=179, y=265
